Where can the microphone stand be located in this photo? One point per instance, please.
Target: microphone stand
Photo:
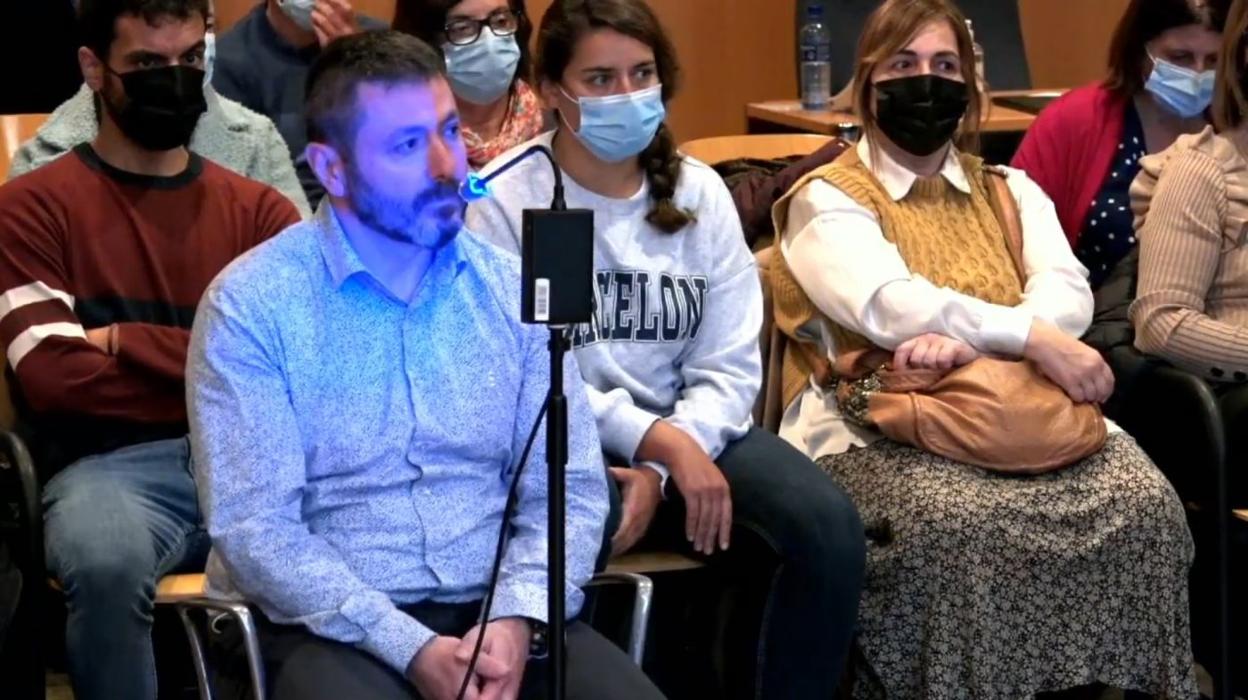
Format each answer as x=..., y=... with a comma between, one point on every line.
x=556, y=451
x=556, y=464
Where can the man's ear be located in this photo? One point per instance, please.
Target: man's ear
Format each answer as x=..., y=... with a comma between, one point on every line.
x=329, y=167
x=92, y=68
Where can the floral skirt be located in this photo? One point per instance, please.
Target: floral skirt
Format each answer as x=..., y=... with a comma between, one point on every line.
x=982, y=585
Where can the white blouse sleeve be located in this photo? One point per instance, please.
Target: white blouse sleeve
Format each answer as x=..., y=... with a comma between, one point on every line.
x=839, y=255
x=1057, y=283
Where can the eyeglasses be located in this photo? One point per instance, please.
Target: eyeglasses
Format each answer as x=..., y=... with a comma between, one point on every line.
x=464, y=31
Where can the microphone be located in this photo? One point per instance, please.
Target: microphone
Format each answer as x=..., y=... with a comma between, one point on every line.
x=557, y=290
x=474, y=187
x=477, y=186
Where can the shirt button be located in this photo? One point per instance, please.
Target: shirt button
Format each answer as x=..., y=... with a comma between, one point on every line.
x=1240, y=376
x=1217, y=372
x=419, y=473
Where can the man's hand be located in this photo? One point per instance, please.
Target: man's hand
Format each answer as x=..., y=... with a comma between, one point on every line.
x=932, y=351
x=640, y=496
x=437, y=672
x=1078, y=369
x=332, y=19
x=103, y=338
x=504, y=653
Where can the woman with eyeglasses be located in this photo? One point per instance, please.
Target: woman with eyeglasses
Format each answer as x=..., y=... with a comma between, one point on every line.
x=486, y=44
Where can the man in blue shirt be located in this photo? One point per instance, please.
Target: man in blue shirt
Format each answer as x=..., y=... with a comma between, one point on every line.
x=361, y=390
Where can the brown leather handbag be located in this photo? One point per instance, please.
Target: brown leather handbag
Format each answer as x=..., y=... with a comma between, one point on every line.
x=1002, y=415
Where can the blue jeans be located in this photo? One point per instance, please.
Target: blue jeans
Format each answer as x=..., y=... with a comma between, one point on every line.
x=798, y=555
x=113, y=525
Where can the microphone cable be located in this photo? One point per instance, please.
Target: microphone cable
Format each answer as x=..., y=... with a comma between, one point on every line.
x=503, y=531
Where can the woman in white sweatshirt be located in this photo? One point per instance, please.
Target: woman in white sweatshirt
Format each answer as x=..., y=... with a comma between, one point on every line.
x=672, y=359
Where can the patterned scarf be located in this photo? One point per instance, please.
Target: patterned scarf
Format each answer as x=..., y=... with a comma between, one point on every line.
x=523, y=121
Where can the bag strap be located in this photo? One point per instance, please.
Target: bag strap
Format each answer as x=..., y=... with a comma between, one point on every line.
x=1006, y=211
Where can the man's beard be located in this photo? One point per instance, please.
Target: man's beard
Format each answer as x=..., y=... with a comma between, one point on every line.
x=407, y=222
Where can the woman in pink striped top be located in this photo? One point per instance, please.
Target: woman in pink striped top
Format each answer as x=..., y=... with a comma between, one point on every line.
x=1191, y=207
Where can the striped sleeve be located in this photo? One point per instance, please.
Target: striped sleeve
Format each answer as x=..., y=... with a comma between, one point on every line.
x=57, y=369
x=1181, y=243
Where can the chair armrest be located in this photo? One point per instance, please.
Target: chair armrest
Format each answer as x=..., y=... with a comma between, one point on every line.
x=643, y=594
x=14, y=456
x=1177, y=419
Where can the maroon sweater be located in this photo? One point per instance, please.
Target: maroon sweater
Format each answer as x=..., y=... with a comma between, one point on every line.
x=84, y=245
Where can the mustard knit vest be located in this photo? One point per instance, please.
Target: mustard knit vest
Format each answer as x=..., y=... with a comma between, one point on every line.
x=951, y=238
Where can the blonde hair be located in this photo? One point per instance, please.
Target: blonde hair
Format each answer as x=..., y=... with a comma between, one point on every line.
x=888, y=30
x=1229, y=103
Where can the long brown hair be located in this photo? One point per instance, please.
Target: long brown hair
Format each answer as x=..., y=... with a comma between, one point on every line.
x=888, y=30
x=564, y=24
x=1229, y=103
x=426, y=20
x=1145, y=20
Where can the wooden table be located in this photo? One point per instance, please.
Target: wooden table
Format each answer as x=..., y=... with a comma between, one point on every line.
x=788, y=115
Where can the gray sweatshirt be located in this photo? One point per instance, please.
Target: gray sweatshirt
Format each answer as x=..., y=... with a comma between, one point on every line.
x=678, y=315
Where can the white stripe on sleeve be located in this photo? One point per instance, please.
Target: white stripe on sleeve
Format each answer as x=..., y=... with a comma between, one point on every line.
x=28, y=294
x=28, y=339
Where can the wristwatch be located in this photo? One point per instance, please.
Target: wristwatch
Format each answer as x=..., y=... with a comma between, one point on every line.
x=539, y=640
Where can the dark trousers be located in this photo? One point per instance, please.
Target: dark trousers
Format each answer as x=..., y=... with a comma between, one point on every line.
x=302, y=666
x=797, y=548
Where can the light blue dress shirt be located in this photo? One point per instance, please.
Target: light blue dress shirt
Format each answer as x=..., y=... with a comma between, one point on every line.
x=353, y=451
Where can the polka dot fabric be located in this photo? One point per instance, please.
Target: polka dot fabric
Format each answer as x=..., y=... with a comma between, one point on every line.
x=1108, y=234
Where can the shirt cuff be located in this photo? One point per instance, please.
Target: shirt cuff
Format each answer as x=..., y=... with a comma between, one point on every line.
x=623, y=427
x=521, y=599
x=1004, y=330
x=663, y=473
x=396, y=638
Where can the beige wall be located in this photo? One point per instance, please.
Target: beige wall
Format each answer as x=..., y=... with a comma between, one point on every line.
x=739, y=51
x=1067, y=40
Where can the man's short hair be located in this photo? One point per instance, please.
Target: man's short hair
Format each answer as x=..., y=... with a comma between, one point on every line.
x=97, y=19
x=382, y=57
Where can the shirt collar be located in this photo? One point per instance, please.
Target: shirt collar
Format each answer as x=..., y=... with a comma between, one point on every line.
x=343, y=262
x=898, y=180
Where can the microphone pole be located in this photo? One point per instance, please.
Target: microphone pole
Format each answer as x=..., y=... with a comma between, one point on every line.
x=557, y=277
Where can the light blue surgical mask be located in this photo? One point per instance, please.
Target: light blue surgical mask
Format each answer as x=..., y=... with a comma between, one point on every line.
x=481, y=72
x=618, y=127
x=1180, y=90
x=210, y=56
x=300, y=11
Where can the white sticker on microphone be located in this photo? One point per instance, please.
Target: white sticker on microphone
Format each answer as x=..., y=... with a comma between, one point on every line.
x=541, y=299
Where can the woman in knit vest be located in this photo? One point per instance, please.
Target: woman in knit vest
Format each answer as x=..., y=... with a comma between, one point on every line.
x=1192, y=205
x=671, y=360
x=983, y=586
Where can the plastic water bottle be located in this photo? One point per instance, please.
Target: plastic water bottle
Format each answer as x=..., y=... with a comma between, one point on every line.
x=979, y=57
x=816, y=51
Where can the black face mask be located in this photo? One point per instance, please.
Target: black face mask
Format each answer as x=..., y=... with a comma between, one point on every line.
x=161, y=106
x=920, y=113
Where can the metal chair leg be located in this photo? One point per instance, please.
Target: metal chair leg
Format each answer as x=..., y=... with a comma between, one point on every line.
x=241, y=614
x=197, y=653
x=643, y=594
x=251, y=641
